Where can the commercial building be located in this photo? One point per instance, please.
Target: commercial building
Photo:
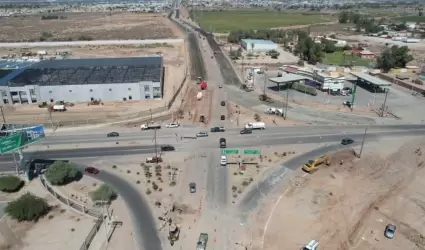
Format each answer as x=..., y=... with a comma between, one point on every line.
x=85, y=80
x=253, y=45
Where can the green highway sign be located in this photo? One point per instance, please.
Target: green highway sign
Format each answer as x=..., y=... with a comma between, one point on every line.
x=252, y=152
x=21, y=139
x=230, y=151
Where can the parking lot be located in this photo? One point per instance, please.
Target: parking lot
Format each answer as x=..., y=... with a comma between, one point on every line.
x=400, y=101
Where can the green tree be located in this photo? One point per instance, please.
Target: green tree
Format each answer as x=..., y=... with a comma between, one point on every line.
x=28, y=207
x=10, y=183
x=394, y=57
x=103, y=193
x=235, y=54
x=62, y=173
x=343, y=17
x=328, y=46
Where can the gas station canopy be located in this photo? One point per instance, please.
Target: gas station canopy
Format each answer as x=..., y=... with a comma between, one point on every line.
x=288, y=78
x=371, y=79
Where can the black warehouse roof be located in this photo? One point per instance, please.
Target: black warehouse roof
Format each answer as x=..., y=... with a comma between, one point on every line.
x=88, y=71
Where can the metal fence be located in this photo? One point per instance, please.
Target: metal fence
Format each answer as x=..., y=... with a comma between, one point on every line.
x=80, y=208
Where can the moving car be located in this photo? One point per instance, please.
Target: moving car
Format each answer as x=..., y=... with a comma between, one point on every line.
x=113, y=134
x=222, y=117
x=91, y=170
x=223, y=103
x=218, y=129
x=223, y=160
x=153, y=159
x=246, y=131
x=390, y=231
x=172, y=125
x=347, y=141
x=222, y=142
x=192, y=187
x=202, y=134
x=167, y=148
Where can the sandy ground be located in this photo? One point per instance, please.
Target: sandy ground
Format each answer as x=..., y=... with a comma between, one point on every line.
x=174, y=60
x=245, y=116
x=61, y=228
x=240, y=178
x=348, y=205
x=98, y=26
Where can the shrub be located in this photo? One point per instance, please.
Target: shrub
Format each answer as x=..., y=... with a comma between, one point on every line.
x=28, y=207
x=234, y=188
x=114, y=166
x=301, y=87
x=173, y=183
x=62, y=173
x=103, y=193
x=257, y=117
x=10, y=183
x=148, y=191
x=128, y=171
x=154, y=186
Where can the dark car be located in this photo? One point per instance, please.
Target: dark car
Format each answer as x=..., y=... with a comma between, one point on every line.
x=218, y=129
x=222, y=117
x=246, y=131
x=167, y=148
x=390, y=231
x=91, y=170
x=223, y=103
x=347, y=141
x=113, y=134
x=192, y=187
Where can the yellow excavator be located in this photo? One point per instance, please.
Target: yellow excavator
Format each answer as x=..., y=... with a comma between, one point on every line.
x=313, y=165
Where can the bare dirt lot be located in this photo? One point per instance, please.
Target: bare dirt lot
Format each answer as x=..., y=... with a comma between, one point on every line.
x=348, y=205
x=94, y=25
x=174, y=61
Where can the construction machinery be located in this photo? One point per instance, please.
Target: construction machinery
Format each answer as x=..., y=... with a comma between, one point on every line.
x=313, y=165
x=173, y=233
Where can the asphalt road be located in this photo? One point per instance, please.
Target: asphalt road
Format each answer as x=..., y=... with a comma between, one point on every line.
x=146, y=233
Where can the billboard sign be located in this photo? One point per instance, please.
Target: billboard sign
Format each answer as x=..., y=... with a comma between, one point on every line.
x=22, y=139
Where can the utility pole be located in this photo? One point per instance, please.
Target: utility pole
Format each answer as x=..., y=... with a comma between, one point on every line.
x=364, y=136
x=150, y=110
x=385, y=102
x=104, y=205
x=156, y=150
x=265, y=80
x=2, y=114
x=287, y=98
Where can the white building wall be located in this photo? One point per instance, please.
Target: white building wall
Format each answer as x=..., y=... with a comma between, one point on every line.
x=88, y=92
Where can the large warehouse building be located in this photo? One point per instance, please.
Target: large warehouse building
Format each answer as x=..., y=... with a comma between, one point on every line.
x=84, y=80
x=253, y=45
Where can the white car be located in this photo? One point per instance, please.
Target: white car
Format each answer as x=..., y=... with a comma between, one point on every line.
x=172, y=125
x=202, y=134
x=223, y=160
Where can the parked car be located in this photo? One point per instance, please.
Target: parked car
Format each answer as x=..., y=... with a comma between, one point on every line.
x=153, y=159
x=113, y=134
x=223, y=103
x=172, y=125
x=347, y=141
x=246, y=131
x=222, y=117
x=192, y=187
x=167, y=148
x=91, y=170
x=202, y=134
x=220, y=86
x=390, y=231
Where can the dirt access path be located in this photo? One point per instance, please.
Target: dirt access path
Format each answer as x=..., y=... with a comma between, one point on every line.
x=348, y=205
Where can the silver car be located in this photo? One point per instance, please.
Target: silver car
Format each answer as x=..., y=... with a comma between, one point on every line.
x=192, y=187
x=202, y=134
x=390, y=231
